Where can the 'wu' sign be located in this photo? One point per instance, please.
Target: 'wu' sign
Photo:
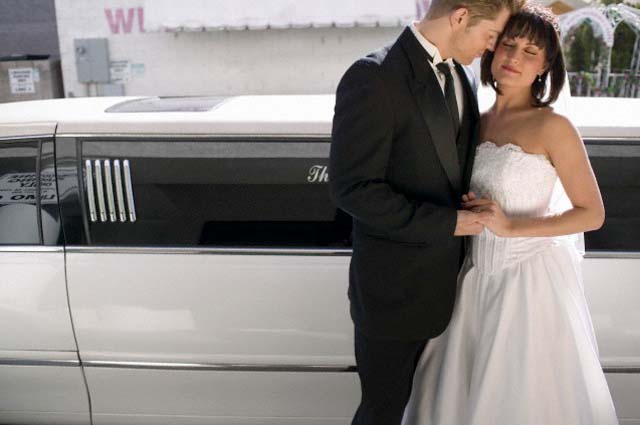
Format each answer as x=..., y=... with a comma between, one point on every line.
x=122, y=20
x=318, y=174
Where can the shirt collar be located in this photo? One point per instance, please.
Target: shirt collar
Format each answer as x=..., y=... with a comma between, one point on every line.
x=430, y=48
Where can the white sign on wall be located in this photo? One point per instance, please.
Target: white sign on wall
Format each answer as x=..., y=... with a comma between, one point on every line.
x=22, y=80
x=120, y=71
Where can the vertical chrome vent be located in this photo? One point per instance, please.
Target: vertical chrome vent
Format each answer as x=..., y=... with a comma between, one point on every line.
x=129, y=189
x=109, y=187
x=100, y=190
x=100, y=178
x=89, y=185
x=122, y=213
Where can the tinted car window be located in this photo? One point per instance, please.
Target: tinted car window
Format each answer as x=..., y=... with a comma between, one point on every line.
x=224, y=193
x=617, y=168
x=18, y=193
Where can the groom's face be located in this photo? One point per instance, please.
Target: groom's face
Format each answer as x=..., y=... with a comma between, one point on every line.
x=469, y=41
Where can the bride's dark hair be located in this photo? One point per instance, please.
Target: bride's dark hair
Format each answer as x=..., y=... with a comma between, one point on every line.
x=539, y=25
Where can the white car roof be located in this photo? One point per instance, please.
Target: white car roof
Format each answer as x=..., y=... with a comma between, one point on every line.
x=605, y=116
x=251, y=115
x=302, y=115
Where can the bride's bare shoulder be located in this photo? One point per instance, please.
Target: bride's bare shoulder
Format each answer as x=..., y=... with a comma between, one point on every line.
x=553, y=123
x=557, y=131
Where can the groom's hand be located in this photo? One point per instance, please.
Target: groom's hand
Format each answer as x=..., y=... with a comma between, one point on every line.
x=467, y=224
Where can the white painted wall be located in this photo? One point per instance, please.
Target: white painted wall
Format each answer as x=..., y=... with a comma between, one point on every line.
x=304, y=61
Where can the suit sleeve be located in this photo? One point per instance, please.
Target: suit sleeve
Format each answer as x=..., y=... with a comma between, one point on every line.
x=361, y=144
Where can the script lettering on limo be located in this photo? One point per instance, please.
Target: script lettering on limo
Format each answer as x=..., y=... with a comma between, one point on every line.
x=318, y=174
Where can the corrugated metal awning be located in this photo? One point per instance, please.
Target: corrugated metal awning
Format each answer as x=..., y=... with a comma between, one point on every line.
x=212, y=15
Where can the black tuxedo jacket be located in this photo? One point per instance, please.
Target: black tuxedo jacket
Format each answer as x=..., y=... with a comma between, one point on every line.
x=396, y=168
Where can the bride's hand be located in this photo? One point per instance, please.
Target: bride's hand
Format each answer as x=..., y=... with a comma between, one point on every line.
x=491, y=215
x=471, y=196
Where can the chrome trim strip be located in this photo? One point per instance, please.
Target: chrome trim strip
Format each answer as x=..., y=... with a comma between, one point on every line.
x=119, y=192
x=39, y=358
x=622, y=369
x=129, y=190
x=181, y=136
x=277, y=251
x=31, y=248
x=219, y=367
x=612, y=140
x=25, y=362
x=197, y=251
x=100, y=191
x=90, y=195
x=265, y=368
x=612, y=254
x=587, y=139
x=109, y=185
x=36, y=136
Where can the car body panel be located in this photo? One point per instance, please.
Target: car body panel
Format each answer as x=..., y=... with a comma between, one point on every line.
x=229, y=335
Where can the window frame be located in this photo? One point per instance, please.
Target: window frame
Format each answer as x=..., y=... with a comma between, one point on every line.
x=82, y=139
x=38, y=140
x=594, y=147
x=590, y=143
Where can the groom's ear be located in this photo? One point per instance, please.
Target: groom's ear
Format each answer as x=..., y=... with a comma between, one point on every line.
x=458, y=16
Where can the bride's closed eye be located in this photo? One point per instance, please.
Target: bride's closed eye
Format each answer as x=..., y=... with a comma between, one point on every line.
x=511, y=44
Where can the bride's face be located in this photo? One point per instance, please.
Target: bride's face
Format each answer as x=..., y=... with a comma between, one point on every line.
x=517, y=62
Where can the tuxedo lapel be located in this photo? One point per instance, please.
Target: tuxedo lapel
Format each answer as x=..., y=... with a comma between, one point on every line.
x=433, y=108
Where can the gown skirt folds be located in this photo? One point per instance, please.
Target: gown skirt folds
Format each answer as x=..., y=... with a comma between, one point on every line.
x=520, y=348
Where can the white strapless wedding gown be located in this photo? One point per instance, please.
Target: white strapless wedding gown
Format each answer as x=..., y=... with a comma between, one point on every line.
x=520, y=348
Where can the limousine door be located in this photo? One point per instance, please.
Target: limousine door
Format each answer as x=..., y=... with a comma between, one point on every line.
x=41, y=381
x=208, y=281
x=612, y=269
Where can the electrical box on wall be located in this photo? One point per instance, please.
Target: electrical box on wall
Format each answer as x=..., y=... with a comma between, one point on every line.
x=92, y=60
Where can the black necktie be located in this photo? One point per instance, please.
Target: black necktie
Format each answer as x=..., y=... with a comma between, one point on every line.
x=450, y=95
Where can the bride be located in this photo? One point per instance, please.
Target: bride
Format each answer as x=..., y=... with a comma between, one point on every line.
x=520, y=348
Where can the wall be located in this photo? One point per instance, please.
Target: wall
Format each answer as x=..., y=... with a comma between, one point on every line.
x=28, y=27
x=211, y=63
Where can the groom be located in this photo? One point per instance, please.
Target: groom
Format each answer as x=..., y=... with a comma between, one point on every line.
x=404, y=135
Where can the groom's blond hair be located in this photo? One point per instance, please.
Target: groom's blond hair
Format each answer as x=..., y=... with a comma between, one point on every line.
x=478, y=9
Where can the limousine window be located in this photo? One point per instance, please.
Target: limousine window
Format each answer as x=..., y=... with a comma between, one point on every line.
x=616, y=165
x=224, y=193
x=18, y=193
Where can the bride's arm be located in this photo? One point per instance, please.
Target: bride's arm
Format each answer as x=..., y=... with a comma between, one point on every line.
x=569, y=156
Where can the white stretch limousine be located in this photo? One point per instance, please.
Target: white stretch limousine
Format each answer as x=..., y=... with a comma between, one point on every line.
x=180, y=261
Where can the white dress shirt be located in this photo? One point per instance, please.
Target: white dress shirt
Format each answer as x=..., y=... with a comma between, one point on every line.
x=433, y=51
